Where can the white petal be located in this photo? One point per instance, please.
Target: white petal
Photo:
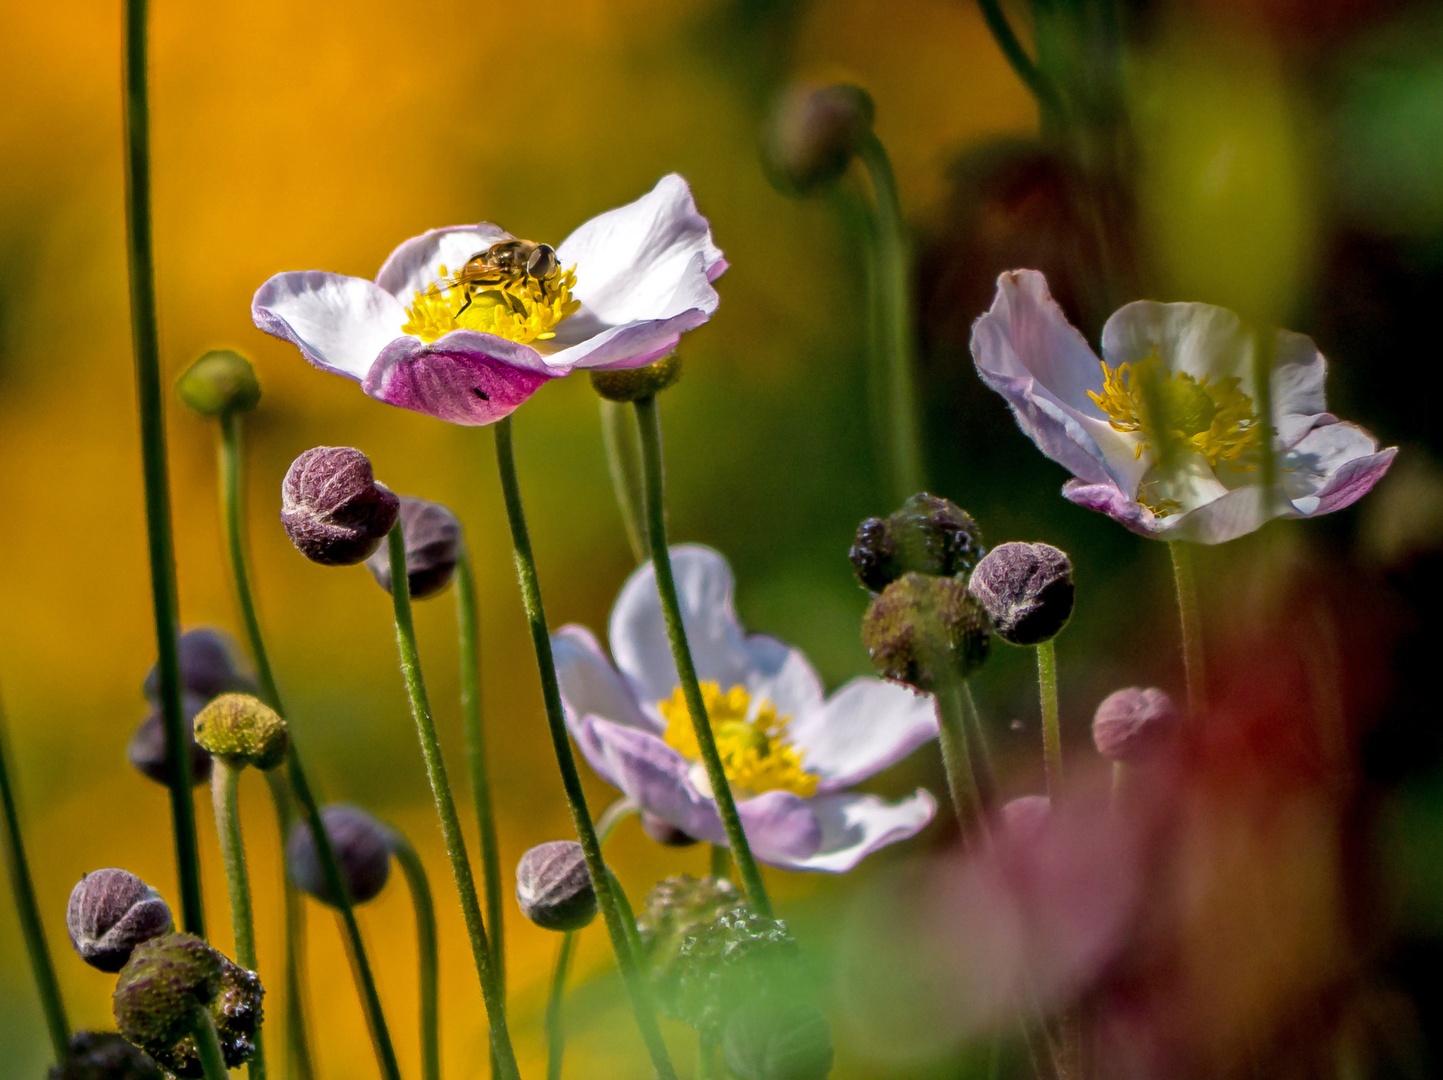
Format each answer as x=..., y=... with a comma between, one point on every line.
x=417, y=263
x=1200, y=339
x=590, y=686
x=339, y=323
x=863, y=728
x=854, y=826
x=1298, y=375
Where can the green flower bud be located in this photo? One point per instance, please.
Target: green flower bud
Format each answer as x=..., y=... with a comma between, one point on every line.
x=929, y=535
x=242, y=730
x=813, y=134
x=771, y=1039
x=219, y=382
x=110, y=913
x=920, y=623
x=634, y=384
x=553, y=886
x=104, y=1055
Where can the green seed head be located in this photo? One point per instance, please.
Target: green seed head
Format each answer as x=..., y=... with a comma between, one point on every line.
x=634, y=384
x=242, y=730
x=919, y=624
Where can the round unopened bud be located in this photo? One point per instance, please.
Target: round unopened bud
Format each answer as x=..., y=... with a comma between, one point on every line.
x=433, y=538
x=1028, y=817
x=771, y=1039
x=664, y=832
x=242, y=730
x=919, y=623
x=928, y=535
x=333, y=508
x=105, y=1055
x=635, y=384
x=813, y=133
x=219, y=382
x=361, y=844
x=553, y=886
x=209, y=665
x=110, y=913
x=1027, y=590
x=1133, y=724
x=147, y=747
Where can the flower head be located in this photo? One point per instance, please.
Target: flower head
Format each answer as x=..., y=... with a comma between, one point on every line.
x=789, y=752
x=465, y=323
x=1163, y=433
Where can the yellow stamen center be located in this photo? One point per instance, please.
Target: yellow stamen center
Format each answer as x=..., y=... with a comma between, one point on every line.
x=523, y=310
x=750, y=737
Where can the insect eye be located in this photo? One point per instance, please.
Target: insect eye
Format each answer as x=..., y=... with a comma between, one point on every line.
x=542, y=263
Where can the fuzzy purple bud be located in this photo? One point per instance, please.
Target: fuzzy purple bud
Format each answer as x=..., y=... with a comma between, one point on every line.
x=361, y=844
x=1133, y=724
x=553, y=886
x=1027, y=818
x=1027, y=589
x=433, y=539
x=110, y=913
x=209, y=665
x=147, y=747
x=332, y=507
x=814, y=133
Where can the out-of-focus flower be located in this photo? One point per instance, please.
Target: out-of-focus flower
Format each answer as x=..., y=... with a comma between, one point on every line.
x=788, y=751
x=813, y=133
x=210, y=664
x=1133, y=724
x=104, y=1055
x=427, y=335
x=147, y=749
x=1163, y=434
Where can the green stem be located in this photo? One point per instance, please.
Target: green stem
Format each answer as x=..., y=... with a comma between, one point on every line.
x=1051, y=723
x=566, y=762
x=894, y=319
x=985, y=773
x=28, y=911
x=555, y=1029
x=623, y=462
x=224, y=785
x=146, y=338
x=207, y=1046
x=469, y=629
x=491, y=992
x=721, y=861
x=426, y=948
x=613, y=816
x=651, y=456
x=298, y=1050
x=1017, y=57
x=956, y=757
x=1187, y=609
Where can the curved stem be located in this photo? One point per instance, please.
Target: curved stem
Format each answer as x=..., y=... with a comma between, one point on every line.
x=426, y=949
x=17, y=867
x=232, y=508
x=207, y=1046
x=613, y=816
x=298, y=1049
x=469, y=628
x=1187, y=609
x=894, y=319
x=956, y=757
x=566, y=762
x=555, y=998
x=1051, y=722
x=146, y=338
x=651, y=456
x=623, y=462
x=224, y=784
x=1017, y=57
x=446, y=808
x=985, y=773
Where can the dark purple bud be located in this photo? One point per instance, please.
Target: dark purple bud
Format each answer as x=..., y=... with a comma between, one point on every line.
x=333, y=509
x=147, y=747
x=772, y=1038
x=433, y=537
x=1133, y=724
x=920, y=625
x=1027, y=590
x=361, y=844
x=110, y=913
x=928, y=535
x=105, y=1055
x=553, y=886
x=209, y=665
x=664, y=832
x=813, y=134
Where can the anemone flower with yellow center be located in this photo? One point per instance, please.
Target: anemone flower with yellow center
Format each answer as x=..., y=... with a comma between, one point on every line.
x=789, y=751
x=465, y=323
x=1163, y=433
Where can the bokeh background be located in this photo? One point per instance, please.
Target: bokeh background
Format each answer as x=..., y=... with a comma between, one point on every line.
x=1285, y=158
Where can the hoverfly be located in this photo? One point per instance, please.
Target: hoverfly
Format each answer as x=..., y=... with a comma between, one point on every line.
x=504, y=263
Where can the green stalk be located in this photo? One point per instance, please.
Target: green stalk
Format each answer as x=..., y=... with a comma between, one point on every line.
x=469, y=630
x=426, y=948
x=956, y=757
x=28, y=911
x=298, y=1050
x=566, y=762
x=207, y=1046
x=721, y=861
x=1051, y=723
x=651, y=456
x=1016, y=55
x=1191, y=620
x=224, y=785
x=145, y=335
x=894, y=319
x=491, y=992
x=623, y=462
x=555, y=1029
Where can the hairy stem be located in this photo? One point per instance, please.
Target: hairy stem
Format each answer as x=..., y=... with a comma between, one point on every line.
x=224, y=786
x=1051, y=722
x=1191, y=620
x=555, y=999
x=623, y=462
x=426, y=950
x=207, y=1046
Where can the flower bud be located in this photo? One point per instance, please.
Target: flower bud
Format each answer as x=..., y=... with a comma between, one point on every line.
x=110, y=913
x=724, y=962
x=813, y=133
x=104, y=1055
x=664, y=832
x=165, y=982
x=635, y=384
x=147, y=747
x=1026, y=818
x=678, y=905
x=1133, y=724
x=772, y=1039
x=921, y=622
x=219, y=382
x=928, y=535
x=1027, y=590
x=433, y=537
x=553, y=886
x=361, y=844
x=334, y=510
x=209, y=665
x=242, y=730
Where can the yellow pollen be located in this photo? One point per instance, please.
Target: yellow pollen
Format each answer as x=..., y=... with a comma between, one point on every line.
x=752, y=742
x=524, y=310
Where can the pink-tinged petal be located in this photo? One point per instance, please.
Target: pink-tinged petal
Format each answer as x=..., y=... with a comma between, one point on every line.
x=1299, y=371
x=1107, y=498
x=463, y=377
x=633, y=345
x=340, y=324
x=854, y=826
x=1350, y=482
x=417, y=263
x=1233, y=514
x=590, y=686
x=865, y=727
